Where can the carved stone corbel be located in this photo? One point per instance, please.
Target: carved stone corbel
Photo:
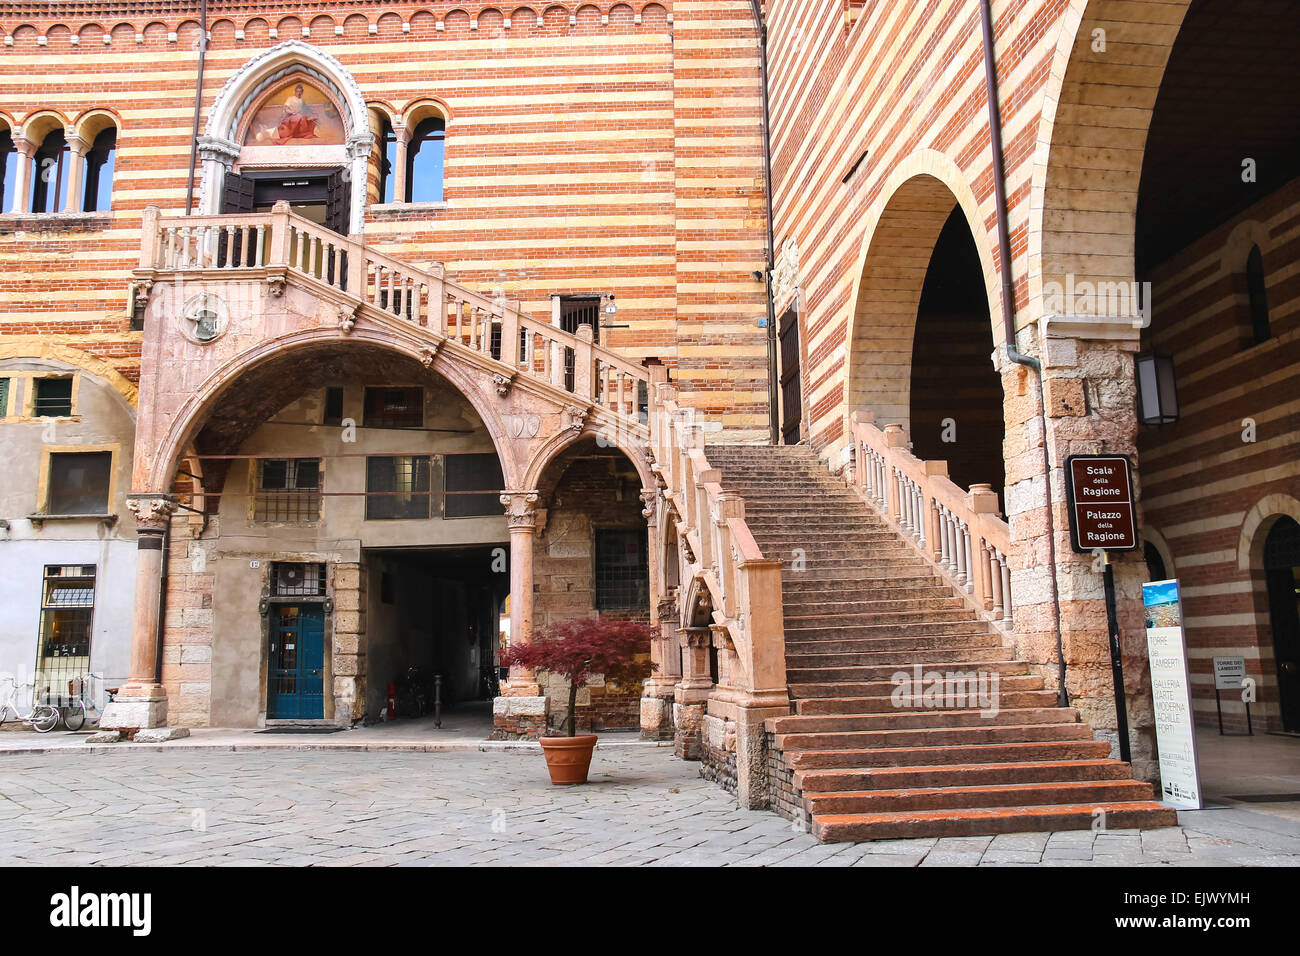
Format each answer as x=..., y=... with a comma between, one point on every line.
x=276, y=282
x=347, y=318
x=503, y=383
x=430, y=353
x=575, y=418
x=650, y=499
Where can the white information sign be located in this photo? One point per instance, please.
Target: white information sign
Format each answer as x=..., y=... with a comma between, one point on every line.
x=1180, y=784
x=1229, y=672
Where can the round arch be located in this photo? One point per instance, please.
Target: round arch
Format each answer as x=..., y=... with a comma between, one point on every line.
x=555, y=446
x=1258, y=523
x=193, y=414
x=83, y=360
x=901, y=229
x=220, y=144
x=1089, y=163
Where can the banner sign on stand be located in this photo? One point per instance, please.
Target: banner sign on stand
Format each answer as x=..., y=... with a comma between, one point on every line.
x=1171, y=694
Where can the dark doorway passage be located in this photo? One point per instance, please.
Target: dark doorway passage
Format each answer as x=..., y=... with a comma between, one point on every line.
x=1281, y=562
x=323, y=196
x=956, y=394
x=433, y=612
x=791, y=382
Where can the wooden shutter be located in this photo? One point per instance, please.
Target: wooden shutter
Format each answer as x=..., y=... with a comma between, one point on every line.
x=236, y=197
x=338, y=210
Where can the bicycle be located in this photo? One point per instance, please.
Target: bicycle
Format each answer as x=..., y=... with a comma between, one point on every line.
x=74, y=713
x=42, y=717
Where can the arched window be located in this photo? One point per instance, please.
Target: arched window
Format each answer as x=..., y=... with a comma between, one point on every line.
x=1258, y=292
x=1156, y=570
x=50, y=173
x=387, y=162
x=424, y=159
x=98, y=195
x=8, y=170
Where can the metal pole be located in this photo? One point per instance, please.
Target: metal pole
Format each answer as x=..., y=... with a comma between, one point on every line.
x=1116, y=663
x=198, y=104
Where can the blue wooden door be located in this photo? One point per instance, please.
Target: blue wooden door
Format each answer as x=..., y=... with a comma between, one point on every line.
x=297, y=663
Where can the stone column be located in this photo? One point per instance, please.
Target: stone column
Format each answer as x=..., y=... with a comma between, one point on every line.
x=692, y=692
x=26, y=149
x=521, y=709
x=142, y=703
x=76, y=174
x=399, y=163
x=657, y=696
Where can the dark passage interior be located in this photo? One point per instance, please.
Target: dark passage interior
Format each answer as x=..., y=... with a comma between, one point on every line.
x=436, y=610
x=956, y=394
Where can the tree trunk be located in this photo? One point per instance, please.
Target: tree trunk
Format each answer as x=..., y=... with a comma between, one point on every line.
x=573, y=708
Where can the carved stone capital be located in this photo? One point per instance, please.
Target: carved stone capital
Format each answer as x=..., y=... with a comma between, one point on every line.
x=649, y=498
x=521, y=509
x=218, y=149
x=151, y=512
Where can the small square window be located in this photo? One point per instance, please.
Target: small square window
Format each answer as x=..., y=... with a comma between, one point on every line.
x=288, y=489
x=53, y=398
x=333, y=406
x=394, y=407
x=473, y=486
x=79, y=483
x=622, y=570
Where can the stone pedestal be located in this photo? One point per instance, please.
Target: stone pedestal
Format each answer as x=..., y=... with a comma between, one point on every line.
x=519, y=718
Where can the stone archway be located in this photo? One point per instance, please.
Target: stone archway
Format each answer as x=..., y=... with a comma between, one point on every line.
x=1101, y=93
x=923, y=333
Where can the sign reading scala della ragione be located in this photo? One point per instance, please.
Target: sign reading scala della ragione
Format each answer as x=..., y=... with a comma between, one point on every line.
x=1171, y=695
x=1100, y=493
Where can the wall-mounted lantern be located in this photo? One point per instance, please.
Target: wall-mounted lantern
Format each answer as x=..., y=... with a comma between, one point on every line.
x=1157, y=389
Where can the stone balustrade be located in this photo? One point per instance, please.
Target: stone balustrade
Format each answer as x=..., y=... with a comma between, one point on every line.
x=960, y=532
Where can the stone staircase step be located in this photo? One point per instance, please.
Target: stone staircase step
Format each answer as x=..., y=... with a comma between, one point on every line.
x=887, y=703
x=884, y=672
x=928, y=738
x=884, y=688
x=874, y=645
x=801, y=632
x=836, y=828
x=1026, y=773
x=939, y=654
x=969, y=798
x=941, y=755
x=927, y=615
x=930, y=717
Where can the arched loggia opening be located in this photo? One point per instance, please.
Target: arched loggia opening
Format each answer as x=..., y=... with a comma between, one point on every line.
x=355, y=541
x=923, y=336
x=591, y=559
x=956, y=393
x=1282, y=574
x=1215, y=236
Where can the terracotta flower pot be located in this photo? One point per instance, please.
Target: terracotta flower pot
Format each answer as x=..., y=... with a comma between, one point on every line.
x=568, y=758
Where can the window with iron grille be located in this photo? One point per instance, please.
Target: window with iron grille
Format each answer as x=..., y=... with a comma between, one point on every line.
x=394, y=407
x=622, y=571
x=79, y=483
x=297, y=580
x=288, y=489
x=576, y=310
x=53, y=398
x=473, y=484
x=4, y=398
x=67, y=615
x=398, y=487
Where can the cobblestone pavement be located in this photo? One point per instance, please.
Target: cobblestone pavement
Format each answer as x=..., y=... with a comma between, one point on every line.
x=642, y=806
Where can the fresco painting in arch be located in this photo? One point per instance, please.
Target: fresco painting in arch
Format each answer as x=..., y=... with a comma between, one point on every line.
x=296, y=113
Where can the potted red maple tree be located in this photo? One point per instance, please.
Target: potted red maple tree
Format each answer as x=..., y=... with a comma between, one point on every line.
x=578, y=649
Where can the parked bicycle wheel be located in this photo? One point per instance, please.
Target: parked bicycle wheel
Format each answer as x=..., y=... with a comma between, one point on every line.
x=75, y=715
x=45, y=717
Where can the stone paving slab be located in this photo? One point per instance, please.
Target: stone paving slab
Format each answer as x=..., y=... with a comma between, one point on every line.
x=203, y=806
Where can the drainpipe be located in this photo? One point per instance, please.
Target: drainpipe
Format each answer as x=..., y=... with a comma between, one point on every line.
x=773, y=410
x=198, y=102
x=1009, y=320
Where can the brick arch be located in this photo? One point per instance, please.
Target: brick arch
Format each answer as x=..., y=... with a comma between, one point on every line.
x=1258, y=523
x=92, y=364
x=901, y=229
x=554, y=448
x=156, y=466
x=1092, y=141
